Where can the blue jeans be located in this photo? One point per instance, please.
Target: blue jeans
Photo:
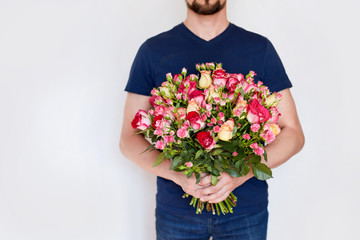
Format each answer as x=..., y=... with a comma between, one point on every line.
x=239, y=227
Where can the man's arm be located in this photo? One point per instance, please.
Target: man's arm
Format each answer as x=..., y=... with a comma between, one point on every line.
x=289, y=142
x=132, y=146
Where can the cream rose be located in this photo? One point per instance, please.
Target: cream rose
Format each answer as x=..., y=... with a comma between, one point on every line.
x=193, y=106
x=226, y=130
x=205, y=79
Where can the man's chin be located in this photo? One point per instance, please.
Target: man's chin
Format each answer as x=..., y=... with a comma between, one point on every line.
x=206, y=8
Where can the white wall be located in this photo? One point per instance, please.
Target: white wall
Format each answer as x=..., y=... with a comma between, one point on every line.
x=63, y=67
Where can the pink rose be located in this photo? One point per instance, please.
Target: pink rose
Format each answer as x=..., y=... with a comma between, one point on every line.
x=182, y=132
x=257, y=113
x=195, y=120
x=158, y=122
x=219, y=77
x=221, y=116
x=274, y=115
x=232, y=82
x=158, y=132
x=255, y=127
x=268, y=136
x=198, y=96
x=189, y=164
x=259, y=151
x=206, y=140
x=177, y=78
x=160, y=145
x=246, y=136
x=216, y=129
x=169, y=139
x=254, y=145
x=141, y=120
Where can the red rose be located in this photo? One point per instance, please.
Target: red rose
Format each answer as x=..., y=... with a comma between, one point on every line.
x=232, y=82
x=206, y=140
x=141, y=120
x=157, y=124
x=195, y=120
x=219, y=77
x=257, y=113
x=199, y=97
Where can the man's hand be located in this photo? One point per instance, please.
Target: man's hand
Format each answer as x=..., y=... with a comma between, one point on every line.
x=189, y=184
x=219, y=192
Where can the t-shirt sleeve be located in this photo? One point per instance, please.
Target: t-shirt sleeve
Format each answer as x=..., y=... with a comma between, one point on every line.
x=274, y=71
x=140, y=78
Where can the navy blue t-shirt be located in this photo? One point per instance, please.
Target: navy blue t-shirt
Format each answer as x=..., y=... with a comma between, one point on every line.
x=239, y=51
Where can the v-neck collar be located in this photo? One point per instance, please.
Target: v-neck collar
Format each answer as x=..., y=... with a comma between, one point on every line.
x=192, y=35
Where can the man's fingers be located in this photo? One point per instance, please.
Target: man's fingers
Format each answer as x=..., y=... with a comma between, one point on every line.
x=205, y=180
x=219, y=196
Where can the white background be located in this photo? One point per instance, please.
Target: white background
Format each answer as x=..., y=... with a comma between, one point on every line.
x=63, y=67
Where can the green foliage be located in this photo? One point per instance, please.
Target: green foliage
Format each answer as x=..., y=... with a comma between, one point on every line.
x=175, y=162
x=254, y=159
x=261, y=171
x=159, y=159
x=214, y=180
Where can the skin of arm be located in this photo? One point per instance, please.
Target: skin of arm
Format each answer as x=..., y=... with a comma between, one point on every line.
x=289, y=142
x=132, y=146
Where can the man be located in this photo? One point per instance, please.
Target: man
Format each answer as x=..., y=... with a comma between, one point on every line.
x=207, y=36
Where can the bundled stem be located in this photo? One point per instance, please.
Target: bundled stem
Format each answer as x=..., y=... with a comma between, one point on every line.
x=224, y=207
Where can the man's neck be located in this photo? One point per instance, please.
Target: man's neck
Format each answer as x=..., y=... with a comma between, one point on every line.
x=206, y=27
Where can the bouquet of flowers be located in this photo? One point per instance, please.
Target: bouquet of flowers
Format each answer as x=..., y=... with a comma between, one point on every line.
x=211, y=123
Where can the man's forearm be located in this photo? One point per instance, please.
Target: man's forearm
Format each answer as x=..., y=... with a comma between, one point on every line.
x=289, y=142
x=133, y=148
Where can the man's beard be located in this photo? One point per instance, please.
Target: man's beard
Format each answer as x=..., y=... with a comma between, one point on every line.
x=206, y=9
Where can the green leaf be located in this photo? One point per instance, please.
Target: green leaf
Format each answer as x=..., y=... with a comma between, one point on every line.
x=218, y=166
x=245, y=168
x=148, y=148
x=261, y=171
x=228, y=146
x=265, y=156
x=238, y=164
x=217, y=151
x=232, y=172
x=254, y=159
x=198, y=177
x=175, y=162
x=198, y=153
x=215, y=172
x=159, y=159
x=214, y=180
x=189, y=174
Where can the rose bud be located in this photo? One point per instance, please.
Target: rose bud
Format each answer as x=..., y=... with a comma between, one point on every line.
x=226, y=130
x=205, y=79
x=165, y=92
x=206, y=140
x=141, y=120
x=193, y=106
